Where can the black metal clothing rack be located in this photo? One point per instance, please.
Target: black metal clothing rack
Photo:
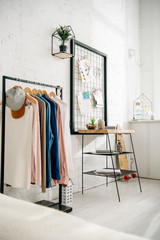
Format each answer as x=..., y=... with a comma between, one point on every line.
x=58, y=205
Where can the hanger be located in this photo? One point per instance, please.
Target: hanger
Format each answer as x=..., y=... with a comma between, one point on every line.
x=44, y=92
x=17, y=86
x=27, y=90
x=30, y=98
x=52, y=94
x=40, y=91
x=34, y=91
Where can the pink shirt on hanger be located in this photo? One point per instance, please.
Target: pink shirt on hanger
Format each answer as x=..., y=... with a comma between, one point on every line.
x=66, y=131
x=36, y=145
x=62, y=151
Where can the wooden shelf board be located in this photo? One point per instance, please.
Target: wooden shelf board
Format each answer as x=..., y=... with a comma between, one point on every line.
x=106, y=131
x=63, y=55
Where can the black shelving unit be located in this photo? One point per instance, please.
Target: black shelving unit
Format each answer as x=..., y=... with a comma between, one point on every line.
x=110, y=153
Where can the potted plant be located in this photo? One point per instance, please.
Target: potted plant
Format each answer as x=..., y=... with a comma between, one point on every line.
x=64, y=33
x=92, y=125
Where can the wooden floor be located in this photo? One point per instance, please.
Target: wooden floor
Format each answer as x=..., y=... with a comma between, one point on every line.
x=137, y=213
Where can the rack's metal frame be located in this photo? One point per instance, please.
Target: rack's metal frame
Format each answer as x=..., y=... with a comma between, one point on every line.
x=58, y=205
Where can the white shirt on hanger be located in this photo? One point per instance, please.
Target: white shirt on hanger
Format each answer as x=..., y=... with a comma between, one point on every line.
x=18, y=146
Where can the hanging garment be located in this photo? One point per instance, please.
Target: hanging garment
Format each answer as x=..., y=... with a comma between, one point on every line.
x=49, y=142
x=36, y=145
x=63, y=161
x=42, y=118
x=18, y=150
x=66, y=131
x=55, y=161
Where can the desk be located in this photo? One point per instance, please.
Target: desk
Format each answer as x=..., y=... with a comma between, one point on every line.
x=110, y=153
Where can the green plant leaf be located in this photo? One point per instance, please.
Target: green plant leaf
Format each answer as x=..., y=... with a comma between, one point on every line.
x=64, y=33
x=93, y=121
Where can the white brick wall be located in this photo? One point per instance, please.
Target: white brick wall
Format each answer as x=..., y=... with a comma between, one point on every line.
x=150, y=48
x=110, y=26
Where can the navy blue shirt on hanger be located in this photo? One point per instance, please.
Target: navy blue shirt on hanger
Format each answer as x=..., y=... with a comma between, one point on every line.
x=55, y=161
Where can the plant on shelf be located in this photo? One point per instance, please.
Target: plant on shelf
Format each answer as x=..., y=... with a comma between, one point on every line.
x=64, y=33
x=92, y=125
x=93, y=121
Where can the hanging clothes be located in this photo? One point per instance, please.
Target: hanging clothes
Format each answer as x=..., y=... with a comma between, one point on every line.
x=66, y=131
x=55, y=161
x=18, y=152
x=63, y=161
x=49, y=157
x=42, y=118
x=49, y=142
x=36, y=145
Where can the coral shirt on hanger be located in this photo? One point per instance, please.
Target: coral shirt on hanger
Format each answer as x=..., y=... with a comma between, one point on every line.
x=66, y=131
x=62, y=149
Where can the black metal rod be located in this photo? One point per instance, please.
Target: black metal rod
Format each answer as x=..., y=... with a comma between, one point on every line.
x=3, y=132
x=60, y=194
x=105, y=91
x=106, y=161
x=52, y=44
x=72, y=83
x=135, y=163
x=113, y=169
x=31, y=82
x=82, y=160
x=61, y=94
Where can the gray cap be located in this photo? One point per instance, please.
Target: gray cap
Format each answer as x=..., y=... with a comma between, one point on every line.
x=15, y=98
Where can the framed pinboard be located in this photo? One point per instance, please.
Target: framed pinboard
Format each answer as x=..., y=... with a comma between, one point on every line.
x=88, y=86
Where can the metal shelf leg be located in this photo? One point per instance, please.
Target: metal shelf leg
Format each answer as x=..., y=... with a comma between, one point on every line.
x=82, y=160
x=114, y=170
x=106, y=162
x=135, y=163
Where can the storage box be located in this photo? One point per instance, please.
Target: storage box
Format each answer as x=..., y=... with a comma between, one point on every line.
x=67, y=194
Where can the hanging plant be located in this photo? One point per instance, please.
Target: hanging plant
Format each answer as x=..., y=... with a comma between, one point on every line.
x=64, y=33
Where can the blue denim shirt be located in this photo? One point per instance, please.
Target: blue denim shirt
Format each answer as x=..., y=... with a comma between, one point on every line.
x=55, y=160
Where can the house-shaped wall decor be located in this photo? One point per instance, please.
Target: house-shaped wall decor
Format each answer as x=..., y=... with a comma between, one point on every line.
x=142, y=108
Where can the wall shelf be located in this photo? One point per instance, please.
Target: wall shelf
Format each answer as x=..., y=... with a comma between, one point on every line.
x=63, y=55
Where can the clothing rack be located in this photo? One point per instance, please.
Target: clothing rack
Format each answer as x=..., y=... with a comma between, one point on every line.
x=50, y=204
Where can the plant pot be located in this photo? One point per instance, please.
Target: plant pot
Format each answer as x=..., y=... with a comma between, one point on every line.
x=91, y=126
x=63, y=48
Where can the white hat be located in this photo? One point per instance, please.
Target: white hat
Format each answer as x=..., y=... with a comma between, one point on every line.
x=15, y=100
